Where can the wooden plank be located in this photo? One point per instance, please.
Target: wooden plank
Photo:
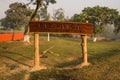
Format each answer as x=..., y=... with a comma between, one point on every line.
x=61, y=27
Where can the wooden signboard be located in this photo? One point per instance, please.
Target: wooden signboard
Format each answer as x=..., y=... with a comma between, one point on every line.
x=83, y=29
x=61, y=27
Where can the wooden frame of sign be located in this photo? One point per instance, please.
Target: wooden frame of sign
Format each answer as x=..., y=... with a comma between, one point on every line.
x=84, y=29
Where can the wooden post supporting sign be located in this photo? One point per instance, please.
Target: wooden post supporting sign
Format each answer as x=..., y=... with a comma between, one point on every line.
x=84, y=50
x=37, y=65
x=36, y=53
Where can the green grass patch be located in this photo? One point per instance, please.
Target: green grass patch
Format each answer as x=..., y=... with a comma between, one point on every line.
x=66, y=52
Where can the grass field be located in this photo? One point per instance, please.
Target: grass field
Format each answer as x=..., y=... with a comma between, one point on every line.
x=16, y=59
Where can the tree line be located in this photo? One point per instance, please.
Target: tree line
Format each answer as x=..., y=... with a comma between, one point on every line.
x=18, y=15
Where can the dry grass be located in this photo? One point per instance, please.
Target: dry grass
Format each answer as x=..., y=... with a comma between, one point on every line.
x=16, y=59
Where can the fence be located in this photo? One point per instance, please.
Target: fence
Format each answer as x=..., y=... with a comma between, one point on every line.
x=10, y=36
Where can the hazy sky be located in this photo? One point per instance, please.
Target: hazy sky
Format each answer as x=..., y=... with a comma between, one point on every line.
x=70, y=6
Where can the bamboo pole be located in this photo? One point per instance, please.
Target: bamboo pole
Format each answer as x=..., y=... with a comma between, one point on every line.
x=84, y=50
x=36, y=54
x=37, y=64
x=36, y=50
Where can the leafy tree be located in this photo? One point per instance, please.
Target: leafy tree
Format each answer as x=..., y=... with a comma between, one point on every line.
x=43, y=11
x=100, y=17
x=42, y=5
x=59, y=15
x=17, y=16
x=79, y=17
x=3, y=23
x=43, y=14
x=117, y=24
